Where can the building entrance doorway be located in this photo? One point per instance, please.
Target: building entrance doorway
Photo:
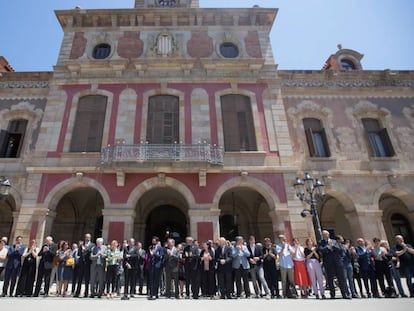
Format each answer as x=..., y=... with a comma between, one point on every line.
x=166, y=221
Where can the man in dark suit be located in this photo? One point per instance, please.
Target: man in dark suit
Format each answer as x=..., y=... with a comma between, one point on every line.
x=130, y=265
x=256, y=267
x=224, y=269
x=98, y=265
x=84, y=265
x=47, y=254
x=156, y=256
x=192, y=274
x=13, y=266
x=331, y=253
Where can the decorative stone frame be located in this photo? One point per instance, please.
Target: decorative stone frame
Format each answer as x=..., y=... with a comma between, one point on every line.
x=255, y=115
x=74, y=109
x=229, y=37
x=27, y=111
x=366, y=109
x=161, y=92
x=310, y=109
x=102, y=38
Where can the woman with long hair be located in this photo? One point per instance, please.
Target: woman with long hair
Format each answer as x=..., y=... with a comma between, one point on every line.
x=300, y=272
x=113, y=259
x=65, y=270
x=313, y=265
x=28, y=271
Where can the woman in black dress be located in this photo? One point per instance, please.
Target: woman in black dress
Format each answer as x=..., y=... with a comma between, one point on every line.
x=28, y=271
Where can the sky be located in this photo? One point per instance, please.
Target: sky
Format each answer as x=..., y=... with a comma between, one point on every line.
x=305, y=34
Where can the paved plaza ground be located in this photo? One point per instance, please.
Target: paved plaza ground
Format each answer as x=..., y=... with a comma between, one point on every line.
x=141, y=303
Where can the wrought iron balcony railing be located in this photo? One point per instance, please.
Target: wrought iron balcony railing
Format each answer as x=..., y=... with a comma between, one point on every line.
x=163, y=153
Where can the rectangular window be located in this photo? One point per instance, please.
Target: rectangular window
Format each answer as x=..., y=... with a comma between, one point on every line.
x=238, y=126
x=378, y=139
x=89, y=124
x=11, y=141
x=316, y=138
x=163, y=120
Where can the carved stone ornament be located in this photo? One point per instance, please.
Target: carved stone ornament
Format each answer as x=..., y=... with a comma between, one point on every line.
x=346, y=83
x=24, y=85
x=164, y=45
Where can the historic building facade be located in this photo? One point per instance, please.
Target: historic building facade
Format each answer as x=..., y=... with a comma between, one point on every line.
x=171, y=119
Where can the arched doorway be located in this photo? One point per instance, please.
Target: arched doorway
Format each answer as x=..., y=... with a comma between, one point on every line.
x=166, y=221
x=78, y=212
x=7, y=206
x=161, y=212
x=245, y=212
x=396, y=218
x=332, y=217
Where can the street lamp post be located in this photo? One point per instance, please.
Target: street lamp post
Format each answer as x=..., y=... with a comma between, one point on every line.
x=311, y=191
x=5, y=186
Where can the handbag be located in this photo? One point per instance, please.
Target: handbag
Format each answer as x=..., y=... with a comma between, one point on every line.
x=70, y=262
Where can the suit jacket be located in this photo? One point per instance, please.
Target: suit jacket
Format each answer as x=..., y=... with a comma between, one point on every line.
x=258, y=252
x=331, y=254
x=240, y=257
x=132, y=251
x=85, y=254
x=47, y=256
x=14, y=257
x=191, y=255
x=156, y=259
x=225, y=254
x=95, y=259
x=172, y=259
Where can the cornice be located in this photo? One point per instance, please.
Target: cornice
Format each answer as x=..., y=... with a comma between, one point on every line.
x=167, y=17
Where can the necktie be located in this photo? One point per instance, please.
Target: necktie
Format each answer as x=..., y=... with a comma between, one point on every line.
x=98, y=261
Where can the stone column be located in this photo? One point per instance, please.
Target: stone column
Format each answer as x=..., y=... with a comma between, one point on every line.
x=119, y=222
x=281, y=222
x=199, y=217
x=366, y=224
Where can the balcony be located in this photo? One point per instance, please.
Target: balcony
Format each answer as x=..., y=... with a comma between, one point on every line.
x=141, y=153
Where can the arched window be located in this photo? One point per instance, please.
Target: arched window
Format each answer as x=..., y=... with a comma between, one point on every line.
x=316, y=138
x=378, y=140
x=238, y=125
x=101, y=51
x=401, y=226
x=163, y=120
x=89, y=124
x=11, y=140
x=347, y=65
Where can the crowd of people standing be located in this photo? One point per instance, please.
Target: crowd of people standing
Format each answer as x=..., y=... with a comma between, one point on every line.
x=223, y=269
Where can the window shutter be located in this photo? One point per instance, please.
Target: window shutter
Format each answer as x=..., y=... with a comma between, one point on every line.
x=385, y=138
x=89, y=124
x=163, y=120
x=371, y=144
x=311, y=143
x=4, y=141
x=325, y=143
x=238, y=125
